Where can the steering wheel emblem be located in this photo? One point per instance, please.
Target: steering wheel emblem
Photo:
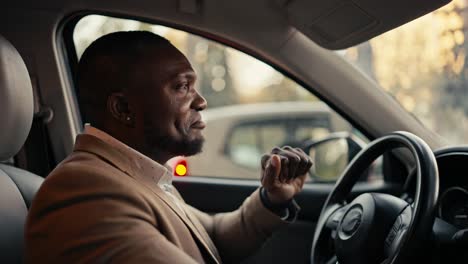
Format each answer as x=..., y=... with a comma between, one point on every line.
x=351, y=221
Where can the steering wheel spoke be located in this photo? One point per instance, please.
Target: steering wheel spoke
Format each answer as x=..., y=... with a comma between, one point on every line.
x=398, y=231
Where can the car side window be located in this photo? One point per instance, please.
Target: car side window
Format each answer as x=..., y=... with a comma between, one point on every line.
x=252, y=108
x=249, y=140
x=244, y=146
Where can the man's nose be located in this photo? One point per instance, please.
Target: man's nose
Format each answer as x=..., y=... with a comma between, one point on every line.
x=199, y=103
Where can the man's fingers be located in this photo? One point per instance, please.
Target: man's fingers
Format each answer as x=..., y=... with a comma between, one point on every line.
x=310, y=163
x=272, y=171
x=302, y=179
x=306, y=161
x=294, y=162
x=265, y=159
x=303, y=166
x=276, y=150
x=284, y=175
x=284, y=168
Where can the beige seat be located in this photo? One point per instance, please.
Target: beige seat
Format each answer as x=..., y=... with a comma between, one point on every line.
x=17, y=186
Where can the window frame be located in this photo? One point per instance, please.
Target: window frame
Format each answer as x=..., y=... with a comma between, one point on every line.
x=66, y=44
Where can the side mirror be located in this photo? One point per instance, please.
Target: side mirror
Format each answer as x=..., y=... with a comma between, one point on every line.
x=332, y=154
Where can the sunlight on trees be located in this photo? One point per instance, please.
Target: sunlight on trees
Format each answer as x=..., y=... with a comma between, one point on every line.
x=422, y=64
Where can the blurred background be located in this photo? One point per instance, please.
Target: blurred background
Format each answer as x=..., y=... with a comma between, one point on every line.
x=423, y=66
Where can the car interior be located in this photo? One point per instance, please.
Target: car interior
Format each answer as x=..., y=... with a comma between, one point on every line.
x=416, y=212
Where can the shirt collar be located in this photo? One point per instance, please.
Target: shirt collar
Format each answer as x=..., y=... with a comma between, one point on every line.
x=141, y=164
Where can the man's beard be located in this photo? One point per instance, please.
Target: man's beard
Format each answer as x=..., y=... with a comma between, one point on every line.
x=159, y=142
x=184, y=147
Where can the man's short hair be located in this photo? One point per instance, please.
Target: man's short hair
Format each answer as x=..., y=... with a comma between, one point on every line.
x=107, y=66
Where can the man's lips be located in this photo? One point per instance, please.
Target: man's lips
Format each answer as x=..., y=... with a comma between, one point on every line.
x=198, y=125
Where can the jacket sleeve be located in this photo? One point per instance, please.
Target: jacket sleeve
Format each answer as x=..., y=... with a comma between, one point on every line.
x=240, y=233
x=80, y=218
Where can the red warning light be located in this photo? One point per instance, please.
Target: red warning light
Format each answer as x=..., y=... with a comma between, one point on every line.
x=181, y=168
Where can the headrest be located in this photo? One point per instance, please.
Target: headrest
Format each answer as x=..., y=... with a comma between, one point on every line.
x=16, y=101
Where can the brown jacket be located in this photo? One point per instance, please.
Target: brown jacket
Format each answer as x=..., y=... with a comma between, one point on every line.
x=93, y=209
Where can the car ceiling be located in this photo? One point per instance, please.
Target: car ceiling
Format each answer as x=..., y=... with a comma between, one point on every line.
x=333, y=24
x=278, y=32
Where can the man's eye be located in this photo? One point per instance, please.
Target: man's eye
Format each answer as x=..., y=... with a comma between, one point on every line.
x=182, y=87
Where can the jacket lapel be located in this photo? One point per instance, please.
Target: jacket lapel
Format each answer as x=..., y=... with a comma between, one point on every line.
x=203, y=233
x=91, y=144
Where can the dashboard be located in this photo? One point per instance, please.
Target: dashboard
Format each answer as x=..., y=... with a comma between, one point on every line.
x=452, y=206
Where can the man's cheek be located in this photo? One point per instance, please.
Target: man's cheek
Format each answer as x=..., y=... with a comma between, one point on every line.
x=179, y=129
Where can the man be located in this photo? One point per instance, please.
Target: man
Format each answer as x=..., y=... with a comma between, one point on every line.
x=112, y=200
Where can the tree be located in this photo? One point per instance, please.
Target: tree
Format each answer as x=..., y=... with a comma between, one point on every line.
x=214, y=78
x=422, y=65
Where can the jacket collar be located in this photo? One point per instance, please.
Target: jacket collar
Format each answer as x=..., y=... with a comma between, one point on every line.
x=92, y=144
x=140, y=164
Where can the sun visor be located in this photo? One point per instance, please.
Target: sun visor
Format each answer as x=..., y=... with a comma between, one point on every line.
x=339, y=24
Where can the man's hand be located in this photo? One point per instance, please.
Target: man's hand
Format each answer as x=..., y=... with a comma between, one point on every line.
x=284, y=172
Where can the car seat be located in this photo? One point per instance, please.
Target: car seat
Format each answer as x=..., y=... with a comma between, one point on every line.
x=17, y=186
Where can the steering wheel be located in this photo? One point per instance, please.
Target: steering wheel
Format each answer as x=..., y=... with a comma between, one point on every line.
x=377, y=227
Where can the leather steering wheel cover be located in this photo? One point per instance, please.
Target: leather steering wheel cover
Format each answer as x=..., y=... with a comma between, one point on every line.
x=426, y=194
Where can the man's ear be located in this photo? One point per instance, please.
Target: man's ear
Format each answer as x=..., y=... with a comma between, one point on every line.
x=118, y=107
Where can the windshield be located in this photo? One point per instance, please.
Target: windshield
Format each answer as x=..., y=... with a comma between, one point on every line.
x=422, y=64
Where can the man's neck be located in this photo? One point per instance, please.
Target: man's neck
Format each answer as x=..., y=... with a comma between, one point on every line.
x=159, y=157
